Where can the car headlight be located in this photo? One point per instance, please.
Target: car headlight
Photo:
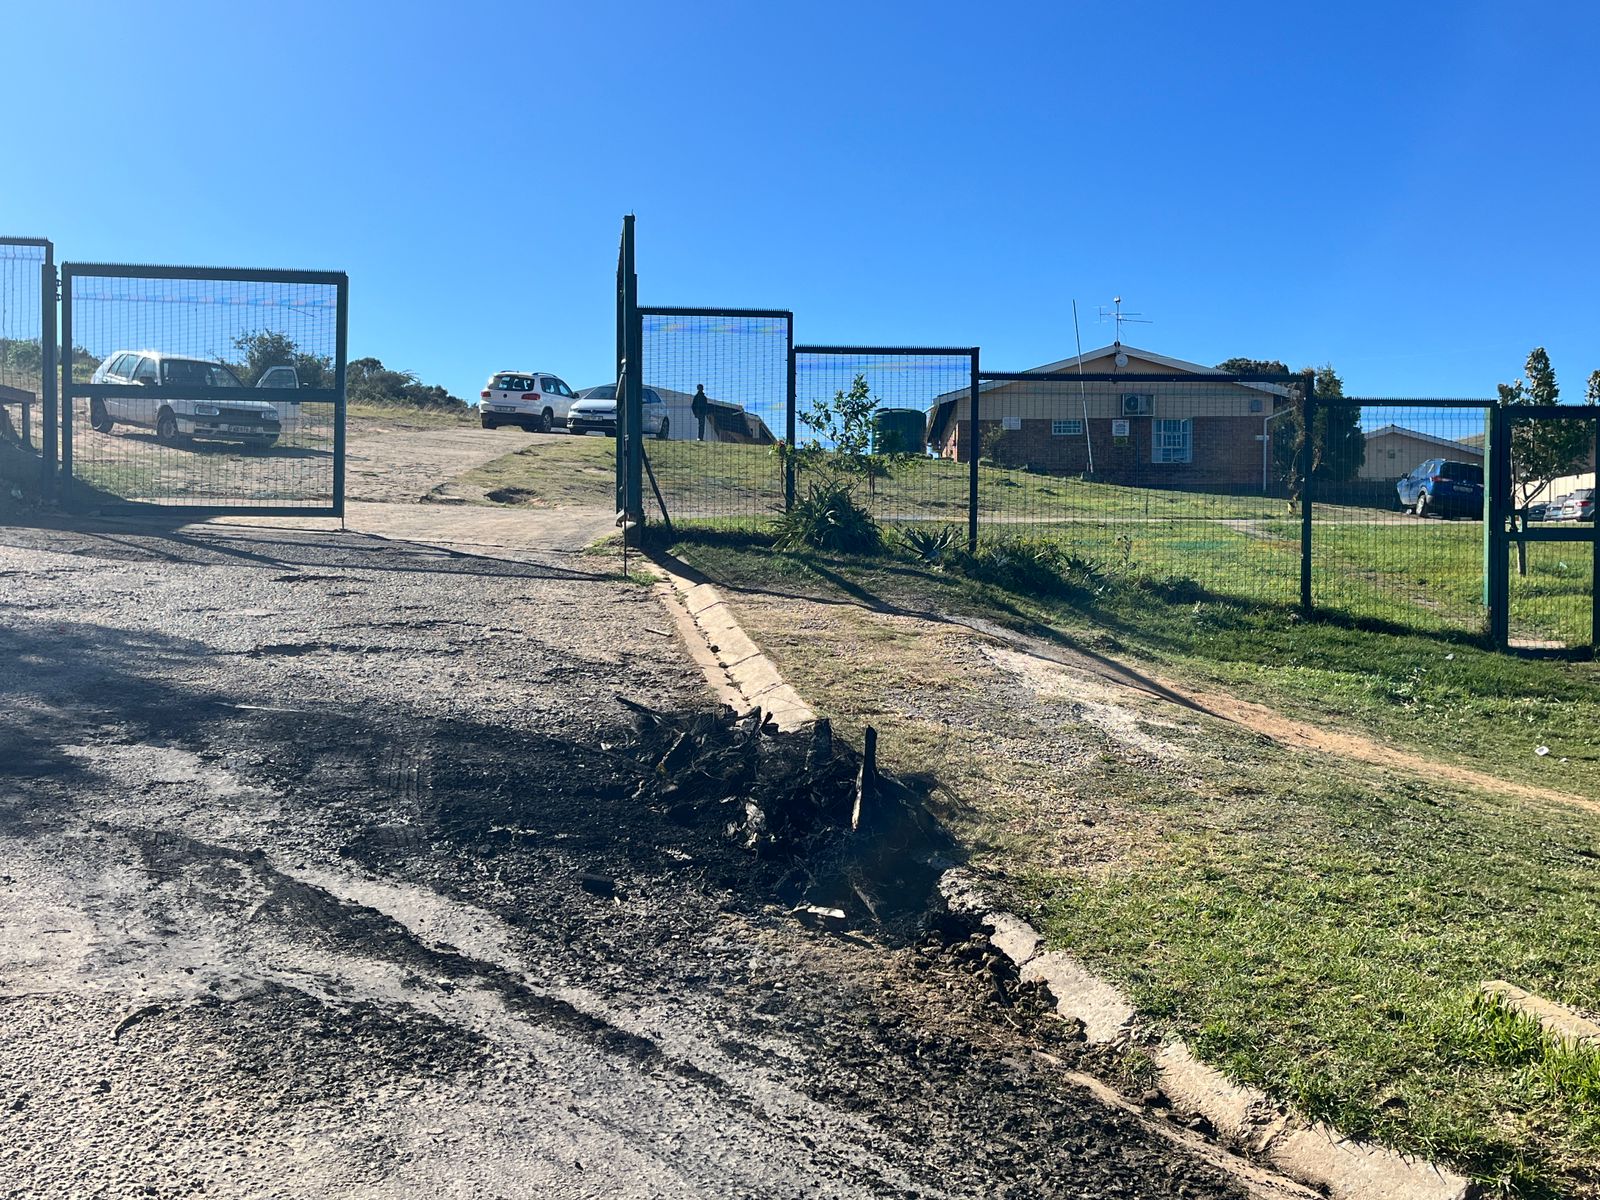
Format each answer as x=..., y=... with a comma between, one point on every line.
x=207, y=410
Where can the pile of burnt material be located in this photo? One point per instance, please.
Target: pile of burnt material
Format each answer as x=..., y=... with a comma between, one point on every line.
x=841, y=839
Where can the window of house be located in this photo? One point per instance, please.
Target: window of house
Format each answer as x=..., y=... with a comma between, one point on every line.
x=1255, y=404
x=1068, y=428
x=1010, y=422
x=1173, y=441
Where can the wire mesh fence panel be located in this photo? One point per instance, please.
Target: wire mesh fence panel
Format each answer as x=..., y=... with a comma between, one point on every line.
x=716, y=398
x=1173, y=478
x=862, y=416
x=1397, y=523
x=214, y=389
x=22, y=355
x=1550, y=595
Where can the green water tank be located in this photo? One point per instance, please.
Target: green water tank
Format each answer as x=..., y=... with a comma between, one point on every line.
x=899, y=431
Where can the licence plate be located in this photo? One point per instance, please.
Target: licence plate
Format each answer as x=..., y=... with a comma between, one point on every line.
x=241, y=429
x=505, y=408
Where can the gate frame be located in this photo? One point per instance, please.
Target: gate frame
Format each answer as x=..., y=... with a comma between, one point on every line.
x=633, y=460
x=47, y=357
x=1498, y=539
x=334, y=395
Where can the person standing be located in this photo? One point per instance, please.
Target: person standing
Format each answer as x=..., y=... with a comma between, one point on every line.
x=700, y=406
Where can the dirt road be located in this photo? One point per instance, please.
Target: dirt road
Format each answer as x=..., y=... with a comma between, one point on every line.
x=294, y=831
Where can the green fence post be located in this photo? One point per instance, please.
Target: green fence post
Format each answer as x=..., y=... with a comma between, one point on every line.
x=972, y=459
x=1594, y=561
x=790, y=432
x=1308, y=423
x=48, y=383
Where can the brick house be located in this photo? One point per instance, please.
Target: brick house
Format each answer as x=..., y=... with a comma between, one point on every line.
x=1187, y=433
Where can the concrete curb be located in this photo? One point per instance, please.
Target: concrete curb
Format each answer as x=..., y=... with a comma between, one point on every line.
x=1309, y=1153
x=739, y=673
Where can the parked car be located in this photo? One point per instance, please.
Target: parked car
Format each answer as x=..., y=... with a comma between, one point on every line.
x=596, y=412
x=253, y=422
x=534, y=400
x=1579, y=506
x=1538, y=510
x=283, y=379
x=1444, y=487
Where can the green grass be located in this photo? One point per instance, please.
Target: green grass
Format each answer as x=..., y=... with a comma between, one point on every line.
x=1316, y=927
x=1367, y=563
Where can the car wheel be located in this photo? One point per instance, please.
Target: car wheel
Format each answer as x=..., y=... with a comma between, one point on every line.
x=661, y=434
x=1422, y=504
x=547, y=421
x=99, y=419
x=167, y=427
x=491, y=425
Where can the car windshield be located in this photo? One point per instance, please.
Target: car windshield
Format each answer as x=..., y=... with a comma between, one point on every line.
x=186, y=372
x=1467, y=472
x=606, y=391
x=513, y=383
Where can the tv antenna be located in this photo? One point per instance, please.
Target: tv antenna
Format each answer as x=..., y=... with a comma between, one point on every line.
x=1116, y=314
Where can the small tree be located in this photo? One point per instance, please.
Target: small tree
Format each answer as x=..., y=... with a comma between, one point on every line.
x=266, y=348
x=841, y=442
x=840, y=455
x=1541, y=451
x=1338, y=445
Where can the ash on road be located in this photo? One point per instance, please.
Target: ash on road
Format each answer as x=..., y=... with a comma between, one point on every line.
x=294, y=831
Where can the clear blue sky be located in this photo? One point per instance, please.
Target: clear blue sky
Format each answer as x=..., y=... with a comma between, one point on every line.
x=1406, y=191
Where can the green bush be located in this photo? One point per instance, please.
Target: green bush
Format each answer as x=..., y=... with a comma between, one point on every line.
x=828, y=517
x=935, y=546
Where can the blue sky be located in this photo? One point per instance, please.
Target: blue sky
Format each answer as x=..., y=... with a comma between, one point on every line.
x=1406, y=191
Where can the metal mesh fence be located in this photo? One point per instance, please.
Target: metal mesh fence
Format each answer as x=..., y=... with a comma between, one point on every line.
x=211, y=389
x=1397, y=524
x=22, y=358
x=1166, y=478
x=715, y=458
x=1550, y=583
x=901, y=386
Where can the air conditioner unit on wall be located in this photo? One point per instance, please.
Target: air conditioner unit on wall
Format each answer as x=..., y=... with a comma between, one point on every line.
x=1137, y=405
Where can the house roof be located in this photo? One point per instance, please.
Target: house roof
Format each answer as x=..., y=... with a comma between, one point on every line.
x=939, y=411
x=1418, y=435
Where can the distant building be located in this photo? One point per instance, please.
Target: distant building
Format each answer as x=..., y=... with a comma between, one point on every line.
x=1394, y=450
x=1188, y=433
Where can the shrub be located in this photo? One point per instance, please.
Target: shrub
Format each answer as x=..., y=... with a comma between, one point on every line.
x=828, y=517
x=935, y=546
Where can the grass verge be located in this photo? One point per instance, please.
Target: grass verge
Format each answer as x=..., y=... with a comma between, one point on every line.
x=1317, y=927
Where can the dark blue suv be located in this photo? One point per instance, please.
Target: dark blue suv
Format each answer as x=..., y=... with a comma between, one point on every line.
x=1444, y=488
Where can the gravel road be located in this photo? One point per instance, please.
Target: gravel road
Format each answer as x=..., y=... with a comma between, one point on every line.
x=294, y=826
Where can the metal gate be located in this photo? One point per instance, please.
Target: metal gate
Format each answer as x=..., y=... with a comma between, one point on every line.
x=214, y=391
x=27, y=343
x=1542, y=588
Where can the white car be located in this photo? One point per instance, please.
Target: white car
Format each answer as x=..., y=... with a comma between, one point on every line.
x=254, y=422
x=596, y=412
x=535, y=400
x=283, y=378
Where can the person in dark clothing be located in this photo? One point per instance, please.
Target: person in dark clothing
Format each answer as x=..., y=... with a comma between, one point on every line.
x=700, y=406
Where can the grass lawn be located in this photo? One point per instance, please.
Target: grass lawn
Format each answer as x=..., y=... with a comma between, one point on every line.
x=1367, y=563
x=1314, y=925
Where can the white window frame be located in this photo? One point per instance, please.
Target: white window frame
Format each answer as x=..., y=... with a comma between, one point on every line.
x=1066, y=427
x=1163, y=447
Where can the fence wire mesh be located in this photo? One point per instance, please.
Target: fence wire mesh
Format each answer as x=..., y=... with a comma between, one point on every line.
x=216, y=374
x=22, y=358
x=896, y=390
x=1397, y=527
x=1552, y=495
x=715, y=459
x=1168, y=479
